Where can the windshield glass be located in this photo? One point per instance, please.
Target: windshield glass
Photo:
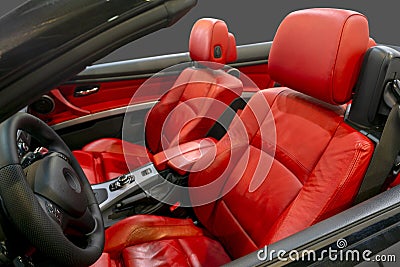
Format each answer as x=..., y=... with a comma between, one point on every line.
x=33, y=29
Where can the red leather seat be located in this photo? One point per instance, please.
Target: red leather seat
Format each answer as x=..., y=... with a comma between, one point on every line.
x=314, y=173
x=210, y=41
x=104, y=160
x=146, y=240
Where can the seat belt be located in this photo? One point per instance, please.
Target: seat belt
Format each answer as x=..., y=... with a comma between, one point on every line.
x=383, y=159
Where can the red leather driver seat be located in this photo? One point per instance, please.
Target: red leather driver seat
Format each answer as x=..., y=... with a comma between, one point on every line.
x=315, y=172
x=210, y=41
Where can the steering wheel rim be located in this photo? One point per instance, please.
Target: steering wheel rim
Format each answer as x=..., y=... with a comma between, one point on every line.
x=24, y=209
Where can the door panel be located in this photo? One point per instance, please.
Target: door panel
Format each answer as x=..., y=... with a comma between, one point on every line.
x=106, y=89
x=112, y=85
x=110, y=95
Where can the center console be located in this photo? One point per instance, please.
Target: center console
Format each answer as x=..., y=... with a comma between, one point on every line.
x=153, y=187
x=144, y=190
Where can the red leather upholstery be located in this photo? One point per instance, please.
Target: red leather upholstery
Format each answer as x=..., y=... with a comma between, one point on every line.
x=105, y=159
x=182, y=157
x=160, y=241
x=319, y=160
x=232, y=51
x=316, y=169
x=185, y=113
x=191, y=251
x=371, y=43
x=329, y=63
x=146, y=228
x=206, y=35
x=92, y=165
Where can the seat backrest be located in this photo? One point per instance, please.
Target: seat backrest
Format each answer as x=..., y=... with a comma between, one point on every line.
x=290, y=160
x=200, y=94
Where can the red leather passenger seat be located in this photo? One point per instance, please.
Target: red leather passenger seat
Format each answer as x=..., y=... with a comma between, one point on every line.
x=315, y=171
x=210, y=41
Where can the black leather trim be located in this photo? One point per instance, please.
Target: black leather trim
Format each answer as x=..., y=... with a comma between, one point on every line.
x=381, y=64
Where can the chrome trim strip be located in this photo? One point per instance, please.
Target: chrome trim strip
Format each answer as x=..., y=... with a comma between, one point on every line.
x=103, y=114
x=250, y=54
x=116, y=111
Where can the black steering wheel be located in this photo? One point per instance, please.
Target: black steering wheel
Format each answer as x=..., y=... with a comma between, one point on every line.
x=51, y=198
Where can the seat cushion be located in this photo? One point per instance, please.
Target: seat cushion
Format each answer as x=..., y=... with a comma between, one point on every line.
x=190, y=251
x=94, y=169
x=117, y=146
x=108, y=158
x=146, y=240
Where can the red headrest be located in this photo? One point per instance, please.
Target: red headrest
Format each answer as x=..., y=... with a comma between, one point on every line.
x=319, y=52
x=371, y=43
x=210, y=41
x=232, y=50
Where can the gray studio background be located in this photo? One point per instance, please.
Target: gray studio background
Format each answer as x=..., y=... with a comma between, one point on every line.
x=250, y=21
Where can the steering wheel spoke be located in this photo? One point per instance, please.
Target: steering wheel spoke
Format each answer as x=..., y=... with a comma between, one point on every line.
x=53, y=211
x=85, y=224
